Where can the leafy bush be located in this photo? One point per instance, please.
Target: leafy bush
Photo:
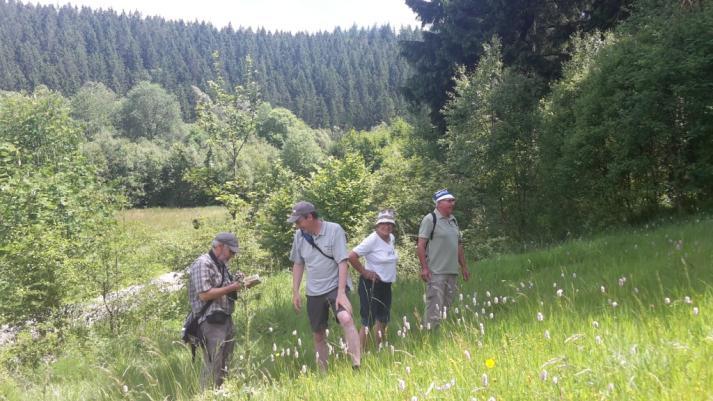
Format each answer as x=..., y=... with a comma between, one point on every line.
x=342, y=192
x=53, y=210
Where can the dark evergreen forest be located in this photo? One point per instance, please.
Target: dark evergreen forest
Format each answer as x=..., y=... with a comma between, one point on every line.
x=344, y=78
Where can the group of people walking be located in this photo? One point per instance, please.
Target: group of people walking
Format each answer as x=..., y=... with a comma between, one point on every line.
x=319, y=248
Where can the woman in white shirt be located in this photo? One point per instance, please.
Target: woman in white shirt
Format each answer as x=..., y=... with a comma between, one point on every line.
x=376, y=278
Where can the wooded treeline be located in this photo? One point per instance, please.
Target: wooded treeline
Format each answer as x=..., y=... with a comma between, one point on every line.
x=553, y=119
x=344, y=78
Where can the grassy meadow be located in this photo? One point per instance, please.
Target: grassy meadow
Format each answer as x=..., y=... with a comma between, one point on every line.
x=622, y=316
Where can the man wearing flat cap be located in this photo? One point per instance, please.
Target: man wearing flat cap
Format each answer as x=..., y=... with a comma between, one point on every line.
x=320, y=248
x=440, y=252
x=212, y=284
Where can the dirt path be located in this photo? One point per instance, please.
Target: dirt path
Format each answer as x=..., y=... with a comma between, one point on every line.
x=94, y=310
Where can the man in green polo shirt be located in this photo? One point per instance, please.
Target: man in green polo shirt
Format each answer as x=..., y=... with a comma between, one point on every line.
x=440, y=252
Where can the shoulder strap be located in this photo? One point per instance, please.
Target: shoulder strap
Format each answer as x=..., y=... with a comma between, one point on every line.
x=203, y=309
x=433, y=216
x=310, y=240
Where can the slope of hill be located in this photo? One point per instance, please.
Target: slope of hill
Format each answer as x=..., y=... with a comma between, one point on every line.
x=620, y=316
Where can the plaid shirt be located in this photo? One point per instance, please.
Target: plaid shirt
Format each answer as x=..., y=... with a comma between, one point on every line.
x=204, y=275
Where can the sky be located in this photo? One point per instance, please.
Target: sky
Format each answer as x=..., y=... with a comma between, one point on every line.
x=273, y=15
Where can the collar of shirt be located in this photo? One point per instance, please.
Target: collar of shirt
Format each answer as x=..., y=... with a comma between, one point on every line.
x=440, y=216
x=322, y=229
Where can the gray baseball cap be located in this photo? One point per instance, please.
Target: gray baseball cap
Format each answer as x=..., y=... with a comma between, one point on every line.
x=301, y=209
x=228, y=239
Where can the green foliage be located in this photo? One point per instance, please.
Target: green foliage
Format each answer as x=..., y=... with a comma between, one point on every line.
x=369, y=144
x=492, y=145
x=274, y=124
x=150, y=112
x=300, y=152
x=632, y=131
x=342, y=192
x=229, y=118
x=274, y=232
x=96, y=106
x=534, y=40
x=53, y=209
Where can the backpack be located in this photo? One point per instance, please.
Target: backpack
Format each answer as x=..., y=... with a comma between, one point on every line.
x=191, y=333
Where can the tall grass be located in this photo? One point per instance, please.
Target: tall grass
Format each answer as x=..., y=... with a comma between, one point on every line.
x=624, y=316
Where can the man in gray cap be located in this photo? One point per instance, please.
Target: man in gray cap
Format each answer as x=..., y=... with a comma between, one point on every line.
x=212, y=290
x=320, y=248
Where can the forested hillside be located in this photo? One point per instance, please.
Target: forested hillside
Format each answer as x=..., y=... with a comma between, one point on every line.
x=344, y=78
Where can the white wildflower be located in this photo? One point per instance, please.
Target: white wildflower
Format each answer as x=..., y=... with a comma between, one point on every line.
x=540, y=316
x=695, y=311
x=543, y=375
x=547, y=335
x=602, y=289
x=294, y=332
x=408, y=370
x=555, y=379
x=595, y=324
x=667, y=300
x=598, y=340
x=304, y=369
x=299, y=342
x=402, y=385
x=687, y=300
x=614, y=304
x=467, y=354
x=485, y=380
x=560, y=292
x=270, y=329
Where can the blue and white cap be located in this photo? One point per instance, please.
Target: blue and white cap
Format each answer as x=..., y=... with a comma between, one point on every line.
x=442, y=194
